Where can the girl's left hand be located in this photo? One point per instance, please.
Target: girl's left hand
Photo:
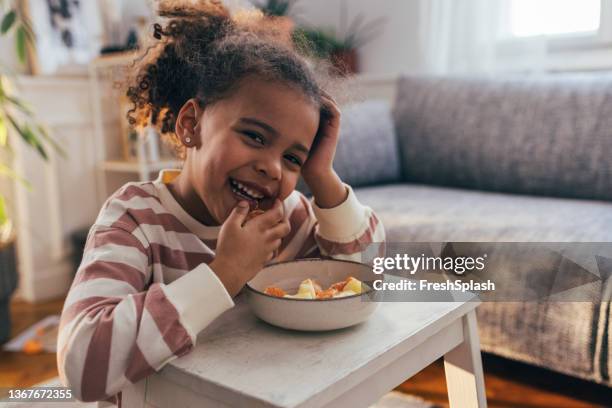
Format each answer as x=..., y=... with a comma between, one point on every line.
x=320, y=160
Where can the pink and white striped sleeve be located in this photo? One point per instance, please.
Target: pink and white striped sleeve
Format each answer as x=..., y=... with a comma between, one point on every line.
x=117, y=327
x=343, y=232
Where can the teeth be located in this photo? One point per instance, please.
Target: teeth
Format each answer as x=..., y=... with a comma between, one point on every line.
x=249, y=191
x=246, y=190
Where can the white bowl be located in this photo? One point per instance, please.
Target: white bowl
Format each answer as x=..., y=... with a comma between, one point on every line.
x=311, y=314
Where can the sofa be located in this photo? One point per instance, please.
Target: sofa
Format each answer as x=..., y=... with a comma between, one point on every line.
x=506, y=159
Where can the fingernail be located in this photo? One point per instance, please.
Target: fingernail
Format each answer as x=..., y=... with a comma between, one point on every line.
x=243, y=204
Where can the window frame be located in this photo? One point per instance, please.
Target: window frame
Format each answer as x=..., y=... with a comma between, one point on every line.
x=559, y=52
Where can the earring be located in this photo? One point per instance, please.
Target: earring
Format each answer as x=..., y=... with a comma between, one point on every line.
x=187, y=140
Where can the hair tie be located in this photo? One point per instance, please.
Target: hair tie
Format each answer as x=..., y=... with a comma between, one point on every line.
x=157, y=31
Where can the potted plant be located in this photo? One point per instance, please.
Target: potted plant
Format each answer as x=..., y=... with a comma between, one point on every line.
x=17, y=118
x=339, y=49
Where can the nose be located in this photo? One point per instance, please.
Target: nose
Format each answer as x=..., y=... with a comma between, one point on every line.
x=269, y=167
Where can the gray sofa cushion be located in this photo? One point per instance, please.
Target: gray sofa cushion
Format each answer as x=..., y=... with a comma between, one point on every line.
x=562, y=336
x=541, y=135
x=367, y=149
x=420, y=213
x=569, y=337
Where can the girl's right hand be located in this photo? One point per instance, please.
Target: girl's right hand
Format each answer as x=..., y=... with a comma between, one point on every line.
x=243, y=248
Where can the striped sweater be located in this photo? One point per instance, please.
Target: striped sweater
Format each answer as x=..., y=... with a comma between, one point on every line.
x=136, y=300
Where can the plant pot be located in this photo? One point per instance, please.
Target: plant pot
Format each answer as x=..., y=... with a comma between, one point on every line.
x=346, y=62
x=8, y=284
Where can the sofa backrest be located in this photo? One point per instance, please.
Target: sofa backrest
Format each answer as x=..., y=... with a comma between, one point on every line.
x=367, y=151
x=547, y=135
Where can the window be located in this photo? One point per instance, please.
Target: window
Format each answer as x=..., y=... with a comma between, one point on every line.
x=553, y=17
x=554, y=35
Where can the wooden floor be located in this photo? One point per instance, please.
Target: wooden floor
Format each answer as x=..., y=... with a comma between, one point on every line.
x=509, y=384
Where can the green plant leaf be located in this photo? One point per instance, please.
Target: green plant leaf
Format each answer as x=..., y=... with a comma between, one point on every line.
x=317, y=42
x=45, y=134
x=28, y=136
x=7, y=21
x=34, y=141
x=3, y=131
x=22, y=106
x=3, y=216
x=20, y=43
x=10, y=173
x=276, y=8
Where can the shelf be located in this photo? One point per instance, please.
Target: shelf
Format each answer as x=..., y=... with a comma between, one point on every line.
x=135, y=167
x=115, y=59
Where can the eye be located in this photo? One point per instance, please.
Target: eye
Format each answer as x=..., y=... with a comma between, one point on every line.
x=254, y=136
x=294, y=160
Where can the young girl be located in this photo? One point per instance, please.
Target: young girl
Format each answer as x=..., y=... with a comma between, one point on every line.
x=165, y=258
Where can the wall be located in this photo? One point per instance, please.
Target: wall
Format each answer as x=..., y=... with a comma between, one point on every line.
x=63, y=196
x=8, y=56
x=395, y=50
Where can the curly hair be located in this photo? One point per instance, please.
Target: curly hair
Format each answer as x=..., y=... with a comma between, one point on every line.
x=203, y=52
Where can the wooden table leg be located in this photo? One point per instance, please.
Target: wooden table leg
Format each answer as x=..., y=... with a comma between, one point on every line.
x=463, y=368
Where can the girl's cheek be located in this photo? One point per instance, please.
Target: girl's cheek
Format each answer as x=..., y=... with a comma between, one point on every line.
x=288, y=186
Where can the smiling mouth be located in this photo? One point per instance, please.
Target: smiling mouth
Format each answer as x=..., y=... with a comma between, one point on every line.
x=253, y=197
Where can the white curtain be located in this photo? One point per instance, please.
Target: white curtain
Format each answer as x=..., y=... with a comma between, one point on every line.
x=462, y=37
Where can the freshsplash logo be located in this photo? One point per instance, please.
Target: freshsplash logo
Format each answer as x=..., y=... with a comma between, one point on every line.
x=411, y=264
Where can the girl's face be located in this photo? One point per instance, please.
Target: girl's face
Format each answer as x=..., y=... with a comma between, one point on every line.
x=249, y=146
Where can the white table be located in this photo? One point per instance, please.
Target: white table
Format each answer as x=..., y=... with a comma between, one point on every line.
x=240, y=361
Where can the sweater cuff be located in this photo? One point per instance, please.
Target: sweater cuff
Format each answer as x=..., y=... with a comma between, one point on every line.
x=342, y=222
x=194, y=289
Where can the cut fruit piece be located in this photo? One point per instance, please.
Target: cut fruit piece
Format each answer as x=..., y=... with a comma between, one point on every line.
x=32, y=347
x=344, y=293
x=310, y=289
x=326, y=294
x=339, y=286
x=274, y=291
x=307, y=288
x=354, y=285
x=304, y=295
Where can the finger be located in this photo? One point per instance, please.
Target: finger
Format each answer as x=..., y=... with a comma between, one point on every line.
x=328, y=100
x=274, y=249
x=330, y=115
x=280, y=230
x=275, y=245
x=327, y=95
x=238, y=214
x=333, y=106
x=335, y=110
x=271, y=217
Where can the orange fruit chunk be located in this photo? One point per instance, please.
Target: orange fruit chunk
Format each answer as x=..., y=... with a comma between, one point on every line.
x=327, y=293
x=32, y=347
x=339, y=286
x=274, y=291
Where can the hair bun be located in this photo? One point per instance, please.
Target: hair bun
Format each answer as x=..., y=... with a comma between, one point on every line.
x=192, y=9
